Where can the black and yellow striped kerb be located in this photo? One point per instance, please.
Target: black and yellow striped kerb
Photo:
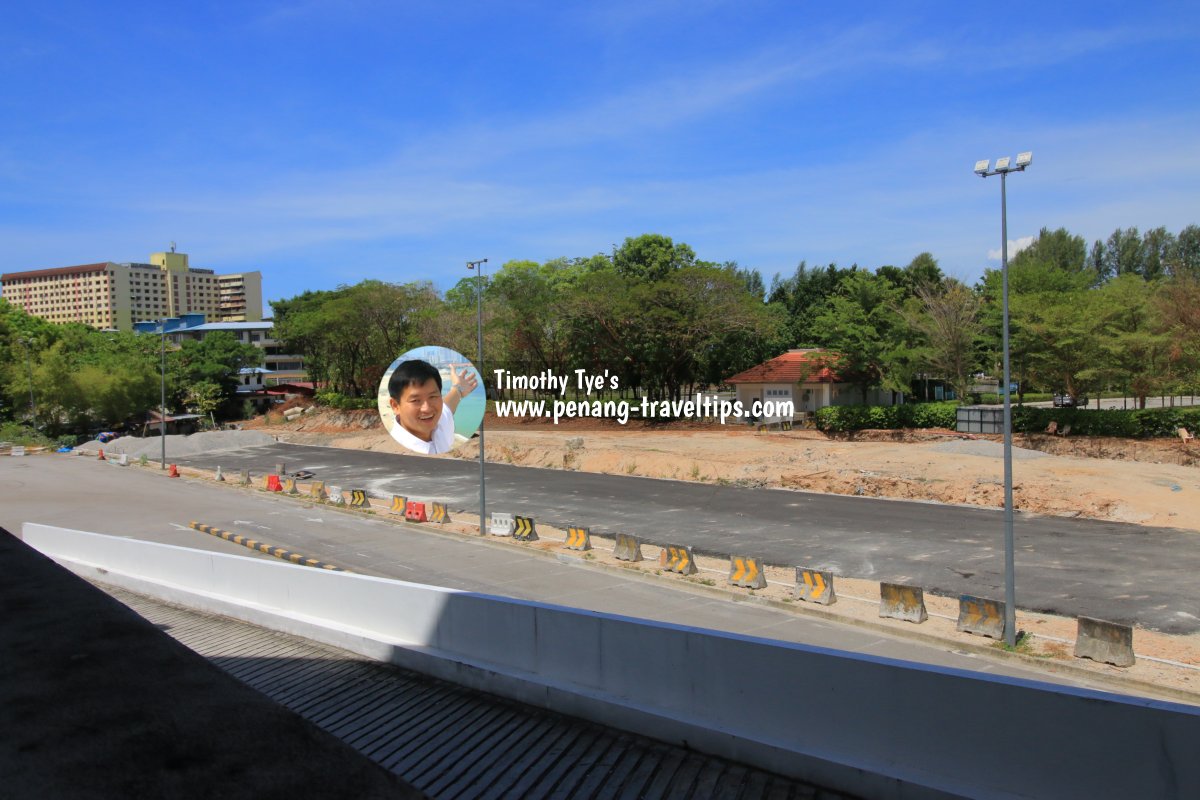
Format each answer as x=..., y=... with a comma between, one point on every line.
x=262, y=547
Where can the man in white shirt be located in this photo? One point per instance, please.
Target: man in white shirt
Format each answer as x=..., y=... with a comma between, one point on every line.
x=424, y=418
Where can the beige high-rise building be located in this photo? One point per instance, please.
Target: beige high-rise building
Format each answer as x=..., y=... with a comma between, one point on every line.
x=112, y=295
x=239, y=297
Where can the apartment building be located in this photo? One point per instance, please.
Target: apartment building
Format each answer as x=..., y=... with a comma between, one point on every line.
x=116, y=295
x=239, y=297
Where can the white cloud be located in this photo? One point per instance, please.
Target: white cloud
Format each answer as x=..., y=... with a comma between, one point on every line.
x=1014, y=246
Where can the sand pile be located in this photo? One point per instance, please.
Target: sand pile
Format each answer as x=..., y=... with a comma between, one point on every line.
x=180, y=446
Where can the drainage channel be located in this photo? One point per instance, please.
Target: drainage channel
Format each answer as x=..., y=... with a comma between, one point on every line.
x=451, y=742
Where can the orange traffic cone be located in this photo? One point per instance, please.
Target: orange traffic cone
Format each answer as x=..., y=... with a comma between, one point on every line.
x=174, y=472
x=101, y=456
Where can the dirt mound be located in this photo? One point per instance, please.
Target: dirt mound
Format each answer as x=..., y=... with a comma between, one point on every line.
x=180, y=446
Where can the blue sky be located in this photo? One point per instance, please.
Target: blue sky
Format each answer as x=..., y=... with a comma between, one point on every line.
x=328, y=141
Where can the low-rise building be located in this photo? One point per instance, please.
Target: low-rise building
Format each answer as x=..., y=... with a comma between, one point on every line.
x=277, y=366
x=808, y=378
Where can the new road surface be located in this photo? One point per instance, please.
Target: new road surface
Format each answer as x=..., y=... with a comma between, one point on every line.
x=1115, y=571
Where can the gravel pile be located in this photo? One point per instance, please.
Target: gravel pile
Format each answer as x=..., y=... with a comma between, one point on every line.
x=180, y=446
x=982, y=447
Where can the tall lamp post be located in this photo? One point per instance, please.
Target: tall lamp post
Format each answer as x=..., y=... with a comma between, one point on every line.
x=1002, y=168
x=478, y=267
x=28, y=343
x=162, y=409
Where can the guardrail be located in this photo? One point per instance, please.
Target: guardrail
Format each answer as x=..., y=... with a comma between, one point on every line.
x=871, y=726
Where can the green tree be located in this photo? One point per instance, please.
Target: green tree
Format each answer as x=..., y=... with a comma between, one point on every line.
x=950, y=320
x=803, y=297
x=1134, y=352
x=863, y=324
x=651, y=257
x=1058, y=250
x=1184, y=258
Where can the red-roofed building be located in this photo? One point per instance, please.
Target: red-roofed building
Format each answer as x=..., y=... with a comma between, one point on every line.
x=808, y=378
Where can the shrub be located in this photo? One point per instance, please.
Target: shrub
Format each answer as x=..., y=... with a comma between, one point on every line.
x=332, y=399
x=915, y=415
x=1142, y=423
x=23, y=435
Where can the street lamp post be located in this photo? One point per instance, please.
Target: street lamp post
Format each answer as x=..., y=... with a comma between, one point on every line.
x=162, y=408
x=478, y=267
x=29, y=365
x=1002, y=168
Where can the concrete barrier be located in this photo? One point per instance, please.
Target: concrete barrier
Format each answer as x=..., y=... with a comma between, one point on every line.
x=981, y=616
x=578, y=538
x=399, y=503
x=335, y=496
x=317, y=490
x=719, y=692
x=747, y=572
x=245, y=478
x=1107, y=642
x=897, y=601
x=677, y=558
x=524, y=529
x=815, y=586
x=439, y=514
x=281, y=469
x=358, y=499
x=627, y=548
x=289, y=486
x=19, y=450
x=122, y=460
x=500, y=524
x=219, y=477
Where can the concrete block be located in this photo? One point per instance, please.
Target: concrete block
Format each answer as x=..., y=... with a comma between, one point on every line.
x=1107, y=642
x=897, y=601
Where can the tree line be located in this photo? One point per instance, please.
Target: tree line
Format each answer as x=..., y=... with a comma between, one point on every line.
x=1121, y=314
x=72, y=378
x=1117, y=315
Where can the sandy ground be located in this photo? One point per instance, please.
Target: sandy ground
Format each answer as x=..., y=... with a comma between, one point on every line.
x=1152, y=483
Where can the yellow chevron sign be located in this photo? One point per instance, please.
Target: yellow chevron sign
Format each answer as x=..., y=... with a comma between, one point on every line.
x=815, y=586
x=399, y=503
x=439, y=514
x=680, y=559
x=746, y=572
x=524, y=529
x=578, y=538
x=358, y=499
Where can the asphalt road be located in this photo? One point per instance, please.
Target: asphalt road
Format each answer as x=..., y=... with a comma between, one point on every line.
x=136, y=503
x=1114, y=571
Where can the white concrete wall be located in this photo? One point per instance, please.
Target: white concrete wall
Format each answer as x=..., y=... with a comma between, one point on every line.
x=871, y=726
